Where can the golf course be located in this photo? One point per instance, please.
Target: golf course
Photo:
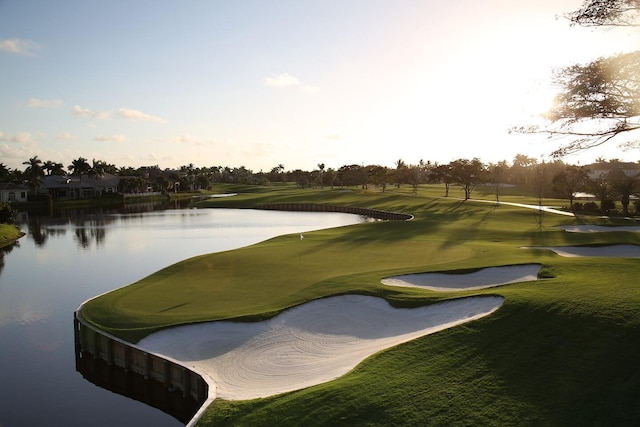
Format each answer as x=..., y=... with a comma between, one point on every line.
x=558, y=346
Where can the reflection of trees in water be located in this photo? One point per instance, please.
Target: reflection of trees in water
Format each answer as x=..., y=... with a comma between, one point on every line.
x=37, y=231
x=5, y=250
x=89, y=224
x=89, y=231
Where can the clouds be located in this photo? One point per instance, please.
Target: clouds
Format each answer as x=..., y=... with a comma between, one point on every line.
x=123, y=113
x=19, y=46
x=21, y=138
x=286, y=80
x=130, y=114
x=43, y=103
x=112, y=138
x=65, y=136
x=85, y=112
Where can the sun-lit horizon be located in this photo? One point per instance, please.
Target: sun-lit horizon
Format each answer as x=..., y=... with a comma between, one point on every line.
x=297, y=84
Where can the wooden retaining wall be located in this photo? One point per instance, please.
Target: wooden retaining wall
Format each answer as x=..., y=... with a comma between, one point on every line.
x=114, y=351
x=312, y=207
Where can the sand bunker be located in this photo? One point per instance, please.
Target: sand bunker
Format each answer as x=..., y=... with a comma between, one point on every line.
x=598, y=228
x=485, y=278
x=618, y=251
x=307, y=345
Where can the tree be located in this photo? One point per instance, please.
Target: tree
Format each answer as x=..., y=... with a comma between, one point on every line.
x=5, y=173
x=467, y=174
x=597, y=101
x=351, y=175
x=34, y=173
x=79, y=167
x=522, y=169
x=598, y=13
x=623, y=186
x=570, y=181
x=321, y=168
x=600, y=100
x=601, y=189
x=401, y=173
x=54, y=168
x=442, y=174
x=378, y=175
x=96, y=170
x=496, y=173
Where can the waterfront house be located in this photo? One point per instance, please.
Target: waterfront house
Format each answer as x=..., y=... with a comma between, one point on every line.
x=10, y=192
x=74, y=187
x=600, y=170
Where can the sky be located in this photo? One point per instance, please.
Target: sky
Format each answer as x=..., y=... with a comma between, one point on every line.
x=294, y=82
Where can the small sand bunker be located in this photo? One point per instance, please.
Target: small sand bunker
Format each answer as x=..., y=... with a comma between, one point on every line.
x=599, y=228
x=307, y=345
x=616, y=251
x=485, y=278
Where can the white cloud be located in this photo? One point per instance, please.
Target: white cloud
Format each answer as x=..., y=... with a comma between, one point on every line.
x=130, y=114
x=112, y=138
x=23, y=138
x=85, y=112
x=65, y=136
x=19, y=46
x=186, y=138
x=43, y=103
x=282, y=80
x=123, y=113
x=287, y=80
x=14, y=154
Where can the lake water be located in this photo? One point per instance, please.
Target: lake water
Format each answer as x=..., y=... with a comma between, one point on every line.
x=71, y=256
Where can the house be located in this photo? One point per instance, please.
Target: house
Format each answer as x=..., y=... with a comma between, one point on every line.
x=10, y=192
x=599, y=170
x=85, y=186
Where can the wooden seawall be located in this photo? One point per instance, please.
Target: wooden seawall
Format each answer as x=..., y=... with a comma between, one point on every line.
x=93, y=342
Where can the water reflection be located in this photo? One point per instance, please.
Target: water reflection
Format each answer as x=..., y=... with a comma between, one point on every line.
x=89, y=225
x=134, y=386
x=71, y=255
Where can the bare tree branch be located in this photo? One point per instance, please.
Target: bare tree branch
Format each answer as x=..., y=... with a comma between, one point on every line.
x=608, y=13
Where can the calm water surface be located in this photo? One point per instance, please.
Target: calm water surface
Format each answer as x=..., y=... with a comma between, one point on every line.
x=71, y=256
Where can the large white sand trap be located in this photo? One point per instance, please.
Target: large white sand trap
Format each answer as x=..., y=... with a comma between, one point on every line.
x=618, y=251
x=599, y=228
x=307, y=345
x=485, y=278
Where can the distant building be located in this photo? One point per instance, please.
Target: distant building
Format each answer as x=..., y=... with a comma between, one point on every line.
x=73, y=187
x=10, y=192
x=599, y=170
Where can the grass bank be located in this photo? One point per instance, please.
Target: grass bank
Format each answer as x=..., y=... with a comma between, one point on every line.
x=561, y=351
x=9, y=234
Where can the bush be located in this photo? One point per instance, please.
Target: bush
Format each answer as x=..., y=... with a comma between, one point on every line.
x=7, y=214
x=607, y=206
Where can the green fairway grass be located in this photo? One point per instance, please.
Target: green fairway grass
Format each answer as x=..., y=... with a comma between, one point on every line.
x=561, y=351
x=9, y=234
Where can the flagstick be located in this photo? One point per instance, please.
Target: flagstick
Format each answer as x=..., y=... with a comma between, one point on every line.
x=300, y=251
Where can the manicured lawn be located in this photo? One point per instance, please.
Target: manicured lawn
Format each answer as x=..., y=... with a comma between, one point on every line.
x=561, y=351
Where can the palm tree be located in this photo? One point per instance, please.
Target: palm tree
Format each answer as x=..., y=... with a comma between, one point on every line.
x=53, y=168
x=321, y=167
x=96, y=170
x=34, y=173
x=4, y=172
x=79, y=167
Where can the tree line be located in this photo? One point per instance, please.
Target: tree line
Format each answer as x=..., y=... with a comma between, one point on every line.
x=555, y=179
